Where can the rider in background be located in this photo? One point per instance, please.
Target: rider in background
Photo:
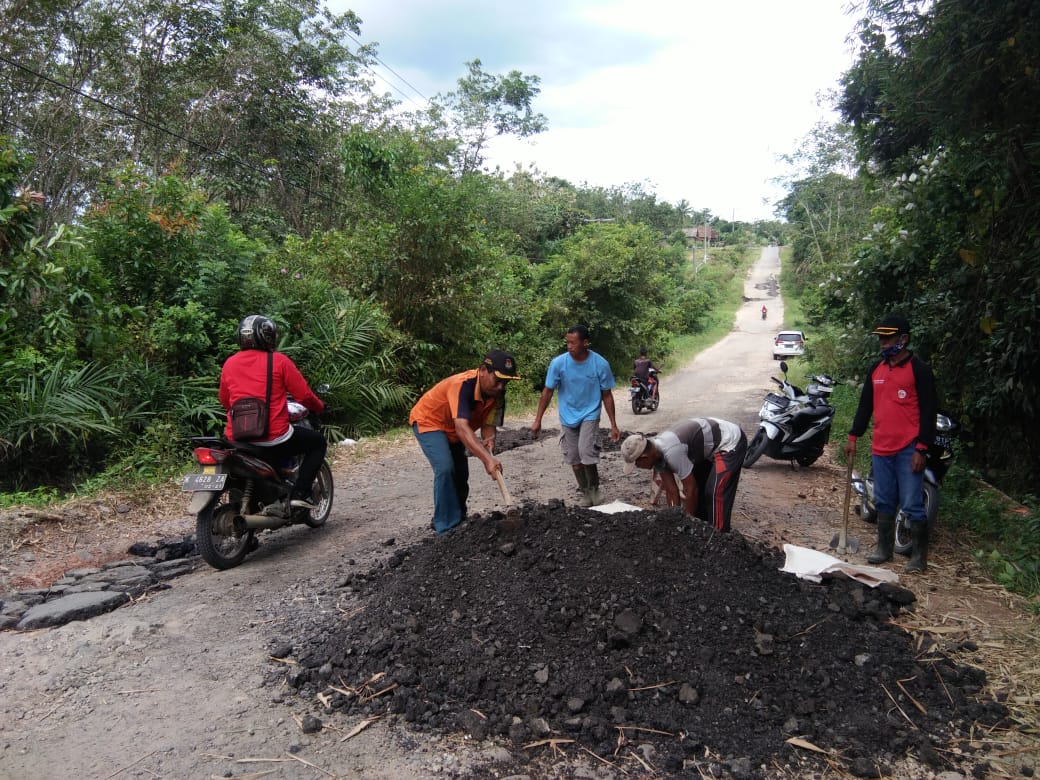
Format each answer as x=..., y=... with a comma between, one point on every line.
x=764, y=311
x=641, y=368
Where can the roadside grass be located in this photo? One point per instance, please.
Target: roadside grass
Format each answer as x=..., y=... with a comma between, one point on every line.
x=794, y=318
x=38, y=498
x=1004, y=533
x=719, y=321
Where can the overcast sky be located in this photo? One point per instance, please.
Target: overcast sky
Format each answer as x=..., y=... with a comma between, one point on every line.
x=693, y=99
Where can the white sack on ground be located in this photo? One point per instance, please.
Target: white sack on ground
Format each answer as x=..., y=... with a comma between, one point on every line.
x=812, y=565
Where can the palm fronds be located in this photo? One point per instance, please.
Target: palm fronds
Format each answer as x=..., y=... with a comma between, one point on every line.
x=58, y=406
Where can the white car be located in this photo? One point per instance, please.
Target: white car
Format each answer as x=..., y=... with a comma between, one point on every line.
x=788, y=343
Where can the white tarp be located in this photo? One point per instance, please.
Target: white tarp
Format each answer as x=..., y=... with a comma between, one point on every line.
x=811, y=565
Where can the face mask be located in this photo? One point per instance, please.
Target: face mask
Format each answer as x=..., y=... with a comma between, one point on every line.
x=892, y=351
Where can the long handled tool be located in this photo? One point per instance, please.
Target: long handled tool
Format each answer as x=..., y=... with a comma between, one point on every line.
x=512, y=520
x=841, y=541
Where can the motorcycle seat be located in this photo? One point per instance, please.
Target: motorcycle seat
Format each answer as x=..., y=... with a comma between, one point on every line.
x=815, y=410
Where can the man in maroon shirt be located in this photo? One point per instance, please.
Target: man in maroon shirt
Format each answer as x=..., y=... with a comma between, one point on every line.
x=900, y=394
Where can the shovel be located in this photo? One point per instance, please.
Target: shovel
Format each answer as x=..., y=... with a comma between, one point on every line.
x=841, y=541
x=512, y=520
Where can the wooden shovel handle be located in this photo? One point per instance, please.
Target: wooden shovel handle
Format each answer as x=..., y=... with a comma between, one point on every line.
x=848, y=494
x=502, y=485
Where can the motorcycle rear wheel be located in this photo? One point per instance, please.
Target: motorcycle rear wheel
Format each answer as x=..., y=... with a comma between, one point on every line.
x=637, y=407
x=904, y=544
x=321, y=494
x=806, y=460
x=756, y=448
x=219, y=543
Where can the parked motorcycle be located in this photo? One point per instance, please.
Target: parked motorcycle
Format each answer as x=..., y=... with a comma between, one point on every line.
x=793, y=424
x=939, y=459
x=238, y=492
x=642, y=395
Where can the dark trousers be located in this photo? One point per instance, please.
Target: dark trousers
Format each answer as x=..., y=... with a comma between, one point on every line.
x=717, y=480
x=312, y=445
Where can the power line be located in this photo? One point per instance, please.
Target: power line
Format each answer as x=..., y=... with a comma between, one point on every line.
x=402, y=78
x=162, y=129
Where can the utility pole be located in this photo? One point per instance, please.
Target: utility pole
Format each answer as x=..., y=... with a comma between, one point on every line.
x=706, y=234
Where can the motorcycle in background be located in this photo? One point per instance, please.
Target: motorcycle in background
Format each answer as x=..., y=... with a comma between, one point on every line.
x=237, y=492
x=939, y=458
x=793, y=424
x=643, y=395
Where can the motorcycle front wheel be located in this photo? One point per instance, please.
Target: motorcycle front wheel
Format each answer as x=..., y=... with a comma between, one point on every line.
x=219, y=543
x=321, y=494
x=756, y=448
x=904, y=541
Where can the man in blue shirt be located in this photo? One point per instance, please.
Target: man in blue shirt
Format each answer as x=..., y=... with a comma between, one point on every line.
x=585, y=382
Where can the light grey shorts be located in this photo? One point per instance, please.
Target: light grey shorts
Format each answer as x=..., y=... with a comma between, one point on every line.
x=581, y=444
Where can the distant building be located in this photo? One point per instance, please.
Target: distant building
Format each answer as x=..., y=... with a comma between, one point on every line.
x=700, y=232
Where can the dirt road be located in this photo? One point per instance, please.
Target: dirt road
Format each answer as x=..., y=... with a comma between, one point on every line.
x=173, y=686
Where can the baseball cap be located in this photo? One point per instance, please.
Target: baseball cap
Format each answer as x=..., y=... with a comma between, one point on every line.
x=501, y=364
x=892, y=325
x=631, y=448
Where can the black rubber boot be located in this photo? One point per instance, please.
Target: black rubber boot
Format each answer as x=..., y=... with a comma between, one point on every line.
x=592, y=475
x=582, y=476
x=886, y=539
x=919, y=555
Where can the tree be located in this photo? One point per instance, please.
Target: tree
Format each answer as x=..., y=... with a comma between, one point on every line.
x=422, y=248
x=829, y=207
x=684, y=210
x=249, y=95
x=945, y=105
x=485, y=106
x=617, y=279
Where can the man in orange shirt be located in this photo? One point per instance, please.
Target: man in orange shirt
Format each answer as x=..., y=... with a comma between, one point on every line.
x=445, y=421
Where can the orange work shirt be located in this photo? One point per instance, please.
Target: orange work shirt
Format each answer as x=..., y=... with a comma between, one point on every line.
x=456, y=397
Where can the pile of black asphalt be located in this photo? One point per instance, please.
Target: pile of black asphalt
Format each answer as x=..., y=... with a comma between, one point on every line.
x=661, y=647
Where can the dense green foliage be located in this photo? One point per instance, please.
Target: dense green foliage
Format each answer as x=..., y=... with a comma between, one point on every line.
x=928, y=202
x=418, y=284
x=170, y=167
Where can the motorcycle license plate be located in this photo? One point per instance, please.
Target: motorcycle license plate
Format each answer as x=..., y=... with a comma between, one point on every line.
x=196, y=482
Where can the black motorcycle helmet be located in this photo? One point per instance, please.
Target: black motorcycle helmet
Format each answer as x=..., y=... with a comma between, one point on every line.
x=258, y=332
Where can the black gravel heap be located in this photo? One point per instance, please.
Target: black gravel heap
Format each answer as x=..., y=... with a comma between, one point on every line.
x=660, y=646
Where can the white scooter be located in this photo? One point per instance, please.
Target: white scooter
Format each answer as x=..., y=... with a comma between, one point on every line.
x=793, y=424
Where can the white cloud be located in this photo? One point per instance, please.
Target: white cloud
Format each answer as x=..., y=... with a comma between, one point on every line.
x=697, y=98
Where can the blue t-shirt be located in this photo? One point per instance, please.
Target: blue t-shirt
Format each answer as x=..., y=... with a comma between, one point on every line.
x=580, y=386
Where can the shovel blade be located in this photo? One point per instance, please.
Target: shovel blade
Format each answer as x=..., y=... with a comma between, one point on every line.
x=843, y=544
x=513, y=521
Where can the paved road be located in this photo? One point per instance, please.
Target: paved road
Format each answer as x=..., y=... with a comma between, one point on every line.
x=728, y=379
